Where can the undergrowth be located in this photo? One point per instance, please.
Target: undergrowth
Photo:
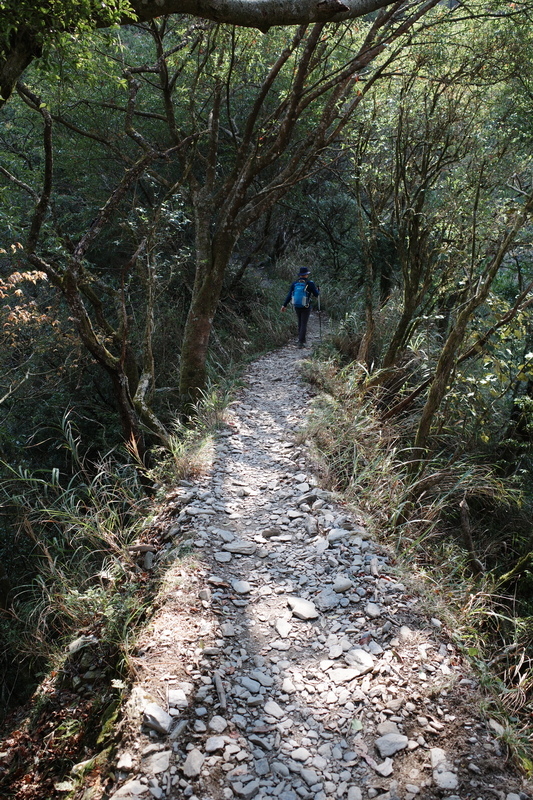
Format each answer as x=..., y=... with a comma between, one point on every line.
x=67, y=539
x=80, y=592
x=435, y=523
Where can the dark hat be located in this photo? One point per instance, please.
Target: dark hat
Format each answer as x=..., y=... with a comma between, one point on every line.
x=304, y=271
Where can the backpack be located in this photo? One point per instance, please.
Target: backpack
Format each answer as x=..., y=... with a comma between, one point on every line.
x=300, y=295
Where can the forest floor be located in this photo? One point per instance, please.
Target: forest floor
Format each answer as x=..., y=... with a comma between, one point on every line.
x=289, y=656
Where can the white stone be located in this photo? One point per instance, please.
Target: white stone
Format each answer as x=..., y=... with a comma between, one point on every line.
x=342, y=584
x=193, y=763
x=302, y=609
x=341, y=675
x=177, y=698
x=354, y=793
x=405, y=633
x=125, y=762
x=385, y=768
x=215, y=743
x=498, y=729
x=218, y=724
x=438, y=756
x=360, y=660
x=445, y=779
x=130, y=790
x=241, y=587
x=158, y=719
x=372, y=610
x=158, y=762
x=391, y=743
x=240, y=547
x=283, y=627
x=300, y=754
x=274, y=710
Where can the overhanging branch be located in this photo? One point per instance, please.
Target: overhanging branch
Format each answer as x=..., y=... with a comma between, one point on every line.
x=262, y=14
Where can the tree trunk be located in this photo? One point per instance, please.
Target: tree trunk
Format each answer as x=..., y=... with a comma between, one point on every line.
x=19, y=54
x=212, y=257
x=455, y=338
x=128, y=416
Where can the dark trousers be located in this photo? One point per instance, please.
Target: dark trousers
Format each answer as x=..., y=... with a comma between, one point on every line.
x=303, y=317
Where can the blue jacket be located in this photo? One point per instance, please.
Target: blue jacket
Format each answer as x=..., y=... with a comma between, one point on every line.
x=311, y=288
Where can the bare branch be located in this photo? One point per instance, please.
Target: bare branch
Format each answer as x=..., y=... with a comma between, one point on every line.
x=44, y=200
x=19, y=183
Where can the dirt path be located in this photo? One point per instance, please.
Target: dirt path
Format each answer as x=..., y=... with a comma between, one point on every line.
x=287, y=659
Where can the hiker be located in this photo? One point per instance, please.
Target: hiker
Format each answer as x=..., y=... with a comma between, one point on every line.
x=300, y=295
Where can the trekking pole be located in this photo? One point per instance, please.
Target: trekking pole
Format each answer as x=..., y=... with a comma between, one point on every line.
x=319, y=316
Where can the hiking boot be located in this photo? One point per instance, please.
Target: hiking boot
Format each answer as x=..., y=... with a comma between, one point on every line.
x=301, y=344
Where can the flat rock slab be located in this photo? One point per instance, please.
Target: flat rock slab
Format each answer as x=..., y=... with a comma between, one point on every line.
x=227, y=629
x=246, y=790
x=302, y=609
x=262, y=677
x=283, y=627
x=193, y=763
x=341, y=675
x=240, y=547
x=360, y=660
x=309, y=776
x=391, y=743
x=251, y=685
x=218, y=724
x=157, y=719
x=177, y=698
x=438, y=756
x=274, y=710
x=215, y=743
x=444, y=778
x=327, y=600
x=158, y=762
x=131, y=790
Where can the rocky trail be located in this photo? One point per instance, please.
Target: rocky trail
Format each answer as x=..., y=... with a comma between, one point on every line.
x=288, y=660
